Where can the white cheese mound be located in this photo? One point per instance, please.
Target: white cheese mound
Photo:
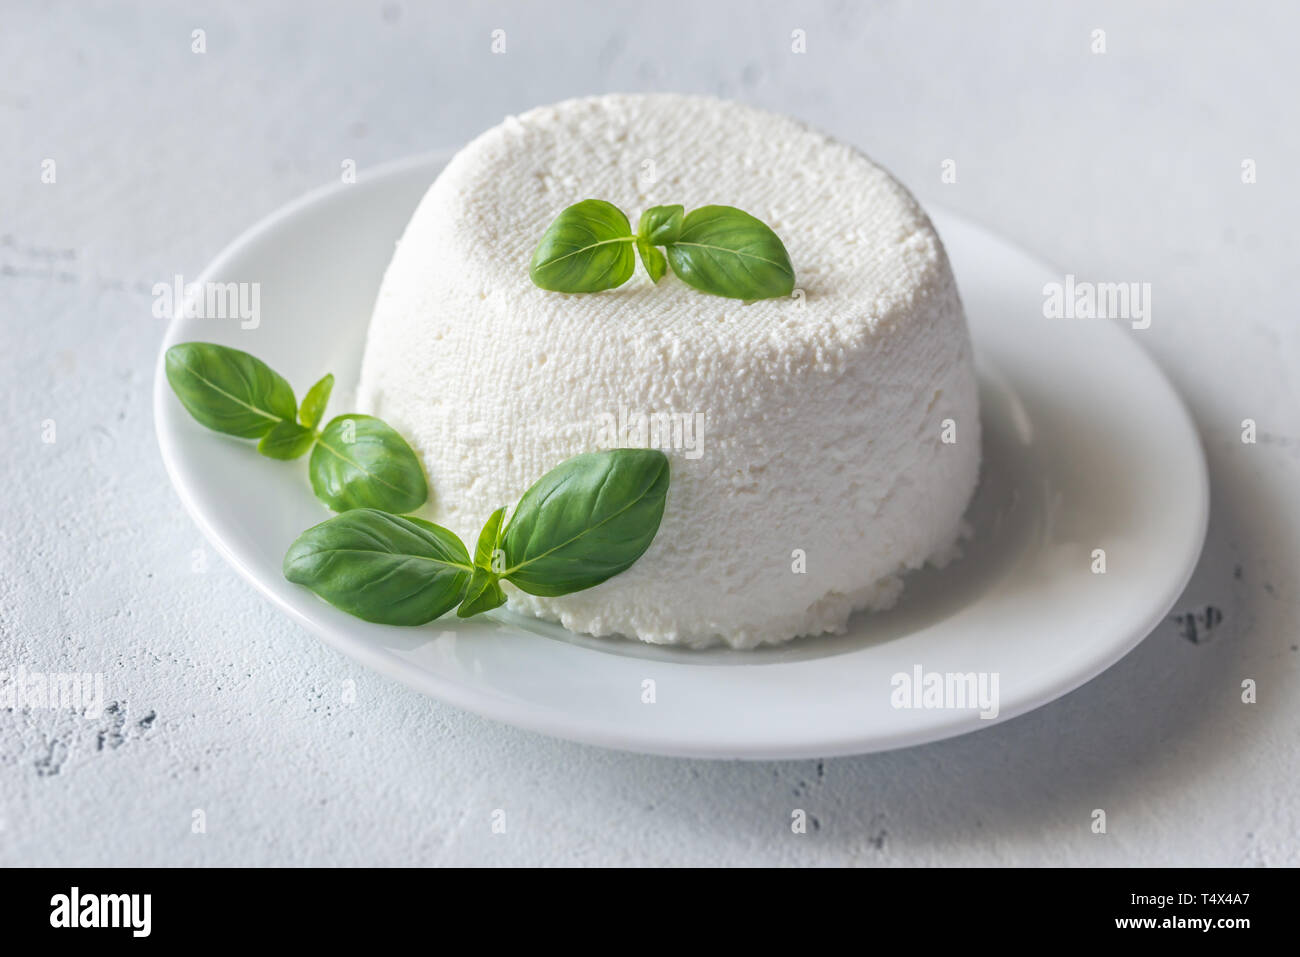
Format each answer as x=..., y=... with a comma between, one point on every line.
x=823, y=414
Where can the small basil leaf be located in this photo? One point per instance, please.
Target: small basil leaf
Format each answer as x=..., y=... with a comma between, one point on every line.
x=313, y=405
x=653, y=260
x=586, y=249
x=482, y=594
x=489, y=540
x=661, y=225
x=585, y=521
x=727, y=252
x=286, y=440
x=381, y=567
x=361, y=462
x=228, y=390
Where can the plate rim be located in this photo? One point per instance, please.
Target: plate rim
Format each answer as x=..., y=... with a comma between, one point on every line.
x=537, y=718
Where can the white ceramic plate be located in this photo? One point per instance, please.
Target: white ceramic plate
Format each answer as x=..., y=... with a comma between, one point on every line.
x=1086, y=446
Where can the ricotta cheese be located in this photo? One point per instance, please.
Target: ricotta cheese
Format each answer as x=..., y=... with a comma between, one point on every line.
x=820, y=445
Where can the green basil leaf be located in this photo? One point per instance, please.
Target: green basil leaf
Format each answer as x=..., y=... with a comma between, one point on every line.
x=313, y=405
x=286, y=440
x=585, y=521
x=652, y=259
x=489, y=540
x=482, y=594
x=361, y=462
x=727, y=252
x=661, y=225
x=228, y=390
x=586, y=249
x=381, y=567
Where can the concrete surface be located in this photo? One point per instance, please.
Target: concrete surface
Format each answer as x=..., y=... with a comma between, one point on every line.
x=1122, y=165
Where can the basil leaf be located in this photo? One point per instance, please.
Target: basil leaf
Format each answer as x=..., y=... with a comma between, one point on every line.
x=727, y=252
x=482, y=594
x=661, y=225
x=360, y=462
x=489, y=540
x=228, y=390
x=381, y=567
x=313, y=405
x=653, y=260
x=586, y=249
x=585, y=521
x=286, y=440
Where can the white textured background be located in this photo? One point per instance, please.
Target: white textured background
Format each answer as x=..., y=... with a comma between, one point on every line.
x=1122, y=166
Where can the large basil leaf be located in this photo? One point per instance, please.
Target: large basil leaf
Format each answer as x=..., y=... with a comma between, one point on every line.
x=585, y=521
x=361, y=462
x=380, y=567
x=313, y=405
x=286, y=440
x=586, y=249
x=228, y=390
x=727, y=252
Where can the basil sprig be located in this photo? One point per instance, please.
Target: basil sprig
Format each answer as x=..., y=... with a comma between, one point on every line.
x=356, y=460
x=579, y=525
x=719, y=250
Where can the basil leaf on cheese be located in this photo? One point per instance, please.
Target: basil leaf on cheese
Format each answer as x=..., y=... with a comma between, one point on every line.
x=660, y=225
x=585, y=521
x=286, y=440
x=727, y=252
x=313, y=405
x=380, y=567
x=361, y=462
x=586, y=249
x=228, y=390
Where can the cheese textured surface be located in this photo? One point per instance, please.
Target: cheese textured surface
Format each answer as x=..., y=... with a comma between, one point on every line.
x=812, y=460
